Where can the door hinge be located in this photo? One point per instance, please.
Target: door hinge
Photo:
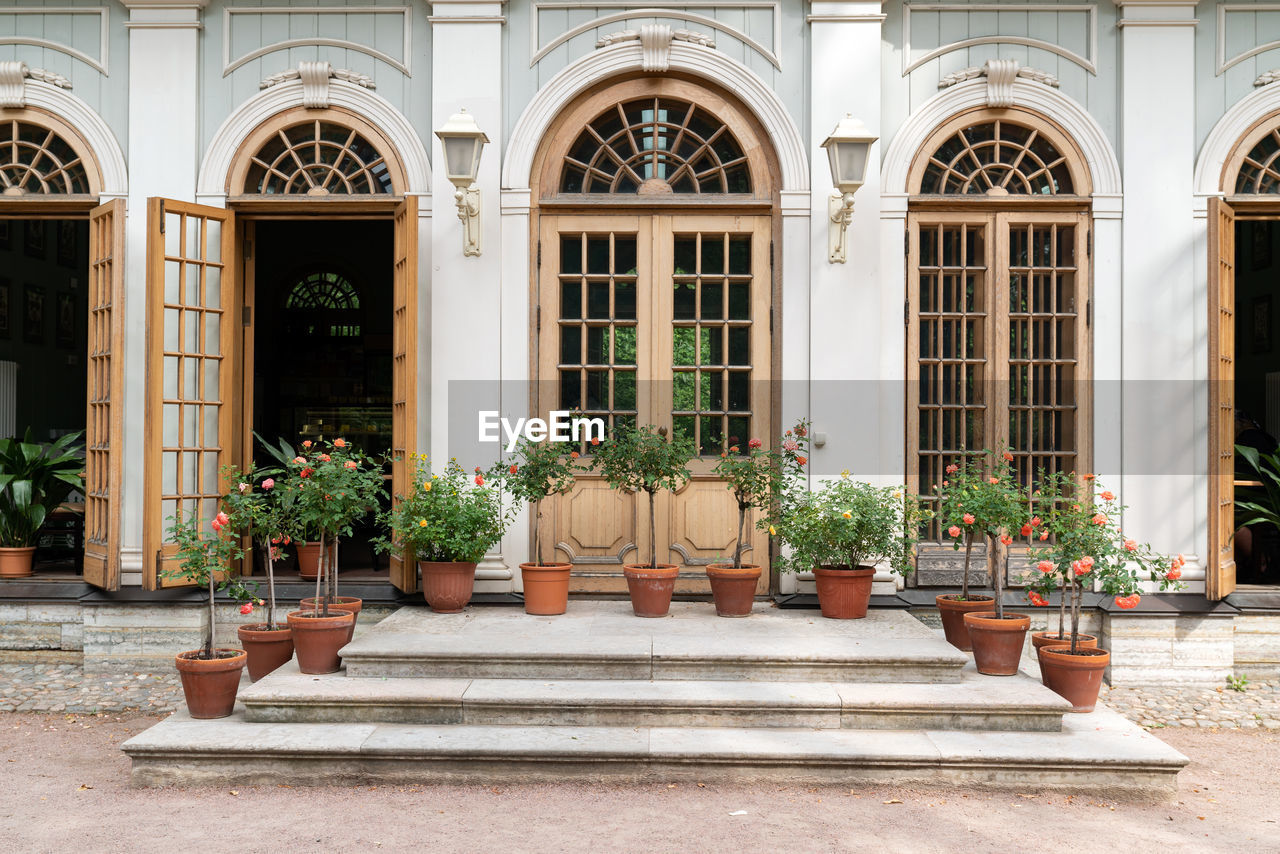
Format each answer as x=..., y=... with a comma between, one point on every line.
x=162, y=216
x=906, y=242
x=1088, y=313
x=906, y=312
x=247, y=315
x=770, y=320
x=248, y=250
x=537, y=320
x=771, y=258
x=1088, y=243
x=539, y=261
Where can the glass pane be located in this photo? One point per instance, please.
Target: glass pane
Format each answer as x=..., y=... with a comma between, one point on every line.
x=739, y=432
x=168, y=473
x=571, y=300
x=194, y=247
x=190, y=385
x=598, y=255
x=684, y=391
x=624, y=300
x=213, y=240
x=170, y=387
x=684, y=428
x=172, y=414
x=173, y=235
x=739, y=345
x=570, y=390
x=212, y=372
x=712, y=300
x=211, y=426
x=213, y=287
x=739, y=300
x=624, y=255
x=571, y=344
x=740, y=254
x=684, y=298
x=597, y=345
x=712, y=435
x=686, y=256
x=570, y=254
x=712, y=390
x=624, y=345
x=597, y=390
x=712, y=254
x=624, y=390
x=191, y=336
x=212, y=331
x=683, y=348
x=739, y=391
x=598, y=299
x=173, y=282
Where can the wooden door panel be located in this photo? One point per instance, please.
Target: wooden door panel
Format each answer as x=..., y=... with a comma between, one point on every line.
x=404, y=373
x=1220, y=572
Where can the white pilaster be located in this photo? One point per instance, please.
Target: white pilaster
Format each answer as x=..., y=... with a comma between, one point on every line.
x=1164, y=434
x=164, y=150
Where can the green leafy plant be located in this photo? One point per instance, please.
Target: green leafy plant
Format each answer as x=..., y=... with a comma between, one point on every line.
x=755, y=478
x=982, y=500
x=203, y=557
x=1238, y=682
x=1087, y=546
x=34, y=480
x=1257, y=505
x=644, y=459
x=258, y=507
x=447, y=516
x=536, y=471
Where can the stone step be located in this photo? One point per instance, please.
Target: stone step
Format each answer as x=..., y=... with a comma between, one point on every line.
x=603, y=640
x=1100, y=753
x=978, y=702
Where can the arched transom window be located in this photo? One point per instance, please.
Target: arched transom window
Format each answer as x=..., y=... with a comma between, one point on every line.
x=1260, y=168
x=997, y=158
x=656, y=146
x=326, y=304
x=318, y=158
x=35, y=160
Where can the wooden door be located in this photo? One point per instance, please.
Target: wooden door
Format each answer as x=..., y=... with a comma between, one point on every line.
x=192, y=416
x=404, y=371
x=655, y=320
x=1220, y=573
x=104, y=422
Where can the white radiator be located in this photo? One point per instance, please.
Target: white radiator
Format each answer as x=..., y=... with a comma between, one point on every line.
x=8, y=398
x=1273, y=403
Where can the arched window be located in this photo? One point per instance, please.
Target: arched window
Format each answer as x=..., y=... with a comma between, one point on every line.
x=997, y=157
x=327, y=304
x=656, y=146
x=318, y=158
x=35, y=160
x=1260, y=168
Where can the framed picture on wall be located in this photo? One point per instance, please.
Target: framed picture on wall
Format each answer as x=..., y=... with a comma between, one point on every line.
x=33, y=314
x=67, y=243
x=1260, y=250
x=33, y=238
x=5, y=230
x=4, y=308
x=64, y=328
x=1262, y=324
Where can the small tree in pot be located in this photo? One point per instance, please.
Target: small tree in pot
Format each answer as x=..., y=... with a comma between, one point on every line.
x=1086, y=547
x=210, y=677
x=538, y=471
x=34, y=480
x=644, y=459
x=449, y=520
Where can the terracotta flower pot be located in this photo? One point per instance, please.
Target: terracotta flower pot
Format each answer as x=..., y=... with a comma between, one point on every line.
x=1050, y=638
x=16, y=563
x=447, y=585
x=733, y=589
x=843, y=593
x=546, y=588
x=309, y=560
x=267, y=648
x=651, y=588
x=952, y=610
x=997, y=644
x=317, y=639
x=210, y=685
x=339, y=603
x=1075, y=677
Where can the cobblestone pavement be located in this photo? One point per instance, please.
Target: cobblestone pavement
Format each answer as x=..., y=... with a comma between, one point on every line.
x=67, y=688
x=1158, y=706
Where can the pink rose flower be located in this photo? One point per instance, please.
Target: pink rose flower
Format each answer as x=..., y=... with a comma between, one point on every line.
x=268, y=483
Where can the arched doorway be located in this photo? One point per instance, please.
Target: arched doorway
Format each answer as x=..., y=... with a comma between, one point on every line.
x=998, y=307
x=653, y=301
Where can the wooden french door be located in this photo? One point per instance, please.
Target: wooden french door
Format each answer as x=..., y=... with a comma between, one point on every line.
x=655, y=319
x=1220, y=573
x=998, y=352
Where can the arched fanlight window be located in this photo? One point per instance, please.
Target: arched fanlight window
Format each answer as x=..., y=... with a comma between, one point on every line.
x=1260, y=169
x=656, y=146
x=997, y=158
x=318, y=158
x=35, y=160
x=327, y=303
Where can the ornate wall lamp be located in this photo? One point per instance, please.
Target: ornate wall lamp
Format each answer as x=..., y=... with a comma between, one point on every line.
x=849, y=148
x=463, y=142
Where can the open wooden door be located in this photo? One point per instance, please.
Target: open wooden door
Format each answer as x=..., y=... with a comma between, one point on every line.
x=104, y=422
x=192, y=417
x=404, y=372
x=1220, y=570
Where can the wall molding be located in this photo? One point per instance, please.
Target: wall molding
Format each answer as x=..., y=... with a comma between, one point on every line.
x=1226, y=135
x=403, y=66
x=1225, y=62
x=1088, y=63
x=101, y=12
x=75, y=112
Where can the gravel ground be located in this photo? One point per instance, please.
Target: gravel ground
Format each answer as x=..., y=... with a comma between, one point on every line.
x=65, y=785
x=1159, y=706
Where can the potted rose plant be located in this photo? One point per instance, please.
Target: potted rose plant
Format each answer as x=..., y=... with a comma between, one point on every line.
x=210, y=677
x=34, y=480
x=537, y=471
x=1087, y=547
x=841, y=531
x=644, y=459
x=984, y=501
x=448, y=520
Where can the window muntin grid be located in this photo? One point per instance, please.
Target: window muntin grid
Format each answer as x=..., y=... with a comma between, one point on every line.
x=997, y=158
x=1260, y=169
x=711, y=340
x=318, y=158
x=323, y=291
x=37, y=161
x=597, y=355
x=656, y=145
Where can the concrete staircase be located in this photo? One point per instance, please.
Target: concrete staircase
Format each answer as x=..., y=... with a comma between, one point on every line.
x=597, y=694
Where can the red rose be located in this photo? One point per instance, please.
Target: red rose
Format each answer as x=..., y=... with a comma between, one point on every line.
x=307, y=472
x=1026, y=530
x=514, y=469
x=479, y=480
x=755, y=443
x=246, y=608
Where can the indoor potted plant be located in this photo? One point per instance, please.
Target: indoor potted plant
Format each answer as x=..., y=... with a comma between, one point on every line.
x=984, y=501
x=210, y=677
x=644, y=459
x=841, y=531
x=34, y=480
x=1087, y=547
x=448, y=520
x=307, y=543
x=537, y=471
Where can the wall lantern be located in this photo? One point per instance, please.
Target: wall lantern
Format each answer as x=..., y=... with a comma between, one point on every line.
x=463, y=142
x=849, y=148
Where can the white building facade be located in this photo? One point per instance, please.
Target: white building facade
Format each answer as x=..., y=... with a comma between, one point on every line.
x=1061, y=205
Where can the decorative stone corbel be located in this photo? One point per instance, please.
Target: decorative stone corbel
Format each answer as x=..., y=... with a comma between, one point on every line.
x=1269, y=77
x=1000, y=74
x=13, y=82
x=315, y=77
x=655, y=41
